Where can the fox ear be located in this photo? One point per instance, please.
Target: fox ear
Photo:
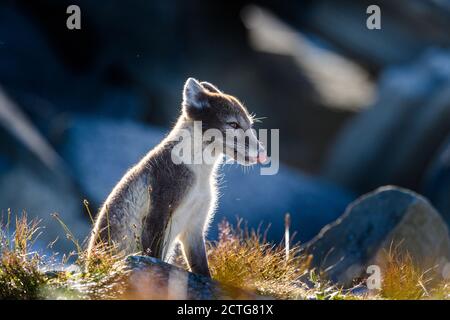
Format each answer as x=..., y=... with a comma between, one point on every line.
x=194, y=95
x=210, y=87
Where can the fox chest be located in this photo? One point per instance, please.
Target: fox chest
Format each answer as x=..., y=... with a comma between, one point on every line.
x=194, y=208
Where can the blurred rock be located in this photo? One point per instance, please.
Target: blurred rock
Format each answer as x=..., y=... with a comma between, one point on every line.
x=4, y=164
x=311, y=202
x=133, y=70
x=66, y=71
x=338, y=81
x=388, y=217
x=100, y=151
x=34, y=180
x=20, y=129
x=18, y=68
x=151, y=278
x=407, y=27
x=393, y=142
x=39, y=195
x=437, y=182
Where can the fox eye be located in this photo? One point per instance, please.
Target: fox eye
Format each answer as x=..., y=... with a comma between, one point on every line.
x=234, y=125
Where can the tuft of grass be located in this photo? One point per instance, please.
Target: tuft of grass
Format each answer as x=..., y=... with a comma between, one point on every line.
x=23, y=276
x=20, y=277
x=403, y=279
x=102, y=273
x=244, y=259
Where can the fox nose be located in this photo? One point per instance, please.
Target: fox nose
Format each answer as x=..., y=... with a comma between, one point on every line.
x=262, y=158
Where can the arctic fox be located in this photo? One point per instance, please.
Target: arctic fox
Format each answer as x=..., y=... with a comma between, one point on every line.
x=161, y=200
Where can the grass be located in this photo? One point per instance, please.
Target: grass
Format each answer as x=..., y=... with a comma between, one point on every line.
x=23, y=275
x=240, y=258
x=404, y=280
x=246, y=260
x=20, y=276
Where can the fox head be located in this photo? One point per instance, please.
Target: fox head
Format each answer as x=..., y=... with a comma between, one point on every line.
x=204, y=103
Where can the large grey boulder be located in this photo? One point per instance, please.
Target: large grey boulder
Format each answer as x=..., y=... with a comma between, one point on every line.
x=151, y=278
x=100, y=151
x=393, y=142
x=388, y=216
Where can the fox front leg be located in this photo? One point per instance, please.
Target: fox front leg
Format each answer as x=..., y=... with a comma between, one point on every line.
x=195, y=253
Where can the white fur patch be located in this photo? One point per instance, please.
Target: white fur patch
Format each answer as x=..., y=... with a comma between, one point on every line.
x=195, y=211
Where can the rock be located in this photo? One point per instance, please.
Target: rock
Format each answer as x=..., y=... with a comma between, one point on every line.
x=17, y=66
x=74, y=74
x=407, y=26
x=437, y=182
x=337, y=81
x=5, y=164
x=151, y=278
x=133, y=70
x=409, y=121
x=100, y=151
x=359, y=290
x=388, y=216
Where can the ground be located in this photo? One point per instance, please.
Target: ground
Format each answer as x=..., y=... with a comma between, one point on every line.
x=240, y=259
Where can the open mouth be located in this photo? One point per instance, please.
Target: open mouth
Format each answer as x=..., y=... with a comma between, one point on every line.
x=246, y=159
x=260, y=158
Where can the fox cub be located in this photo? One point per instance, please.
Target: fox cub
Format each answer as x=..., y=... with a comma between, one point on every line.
x=160, y=202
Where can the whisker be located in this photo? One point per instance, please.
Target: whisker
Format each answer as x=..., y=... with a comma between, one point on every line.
x=259, y=119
